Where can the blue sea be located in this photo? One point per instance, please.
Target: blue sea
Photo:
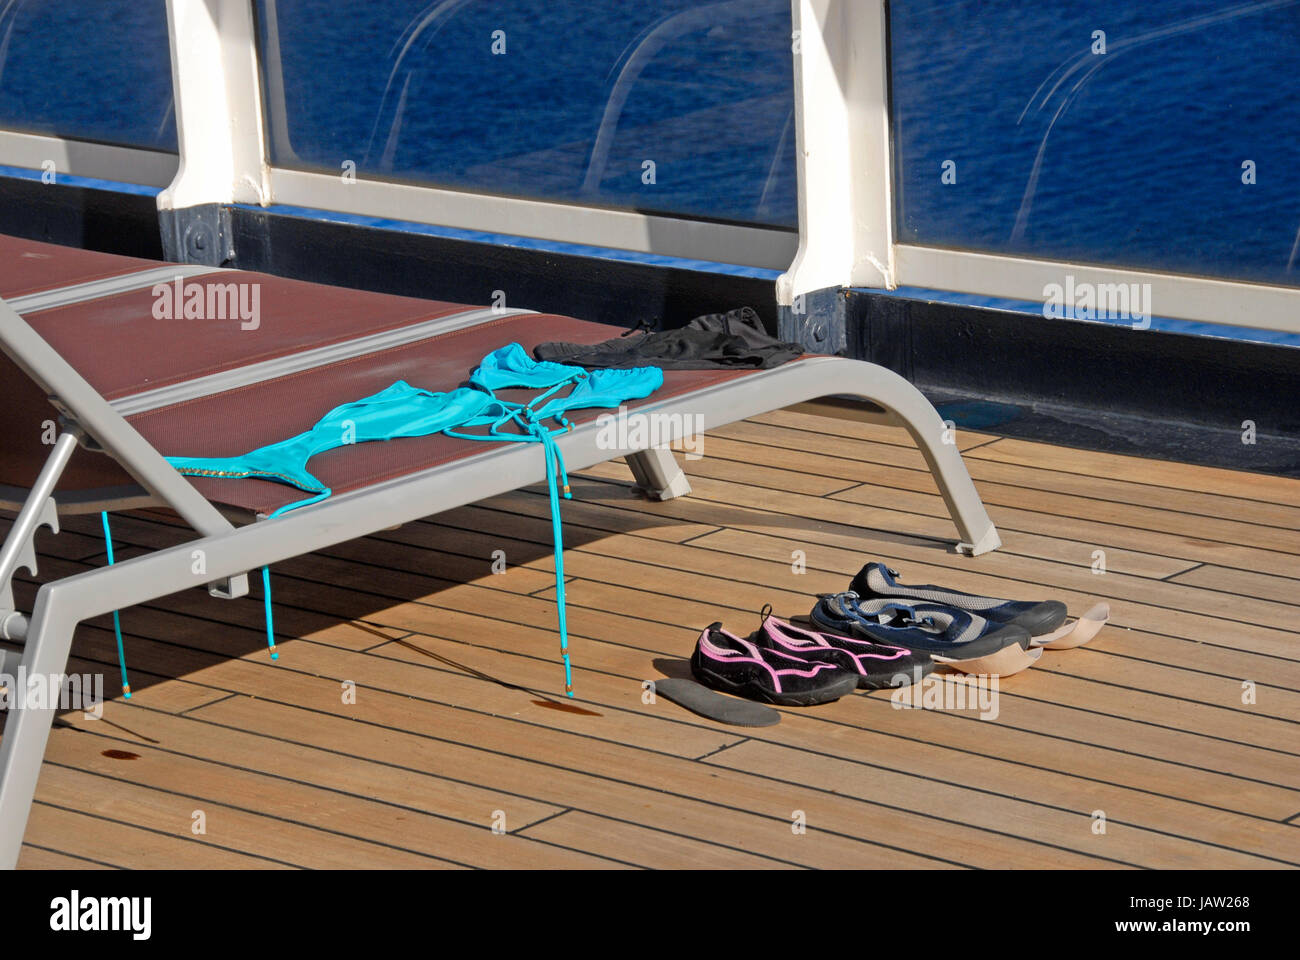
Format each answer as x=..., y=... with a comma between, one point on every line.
x=1161, y=135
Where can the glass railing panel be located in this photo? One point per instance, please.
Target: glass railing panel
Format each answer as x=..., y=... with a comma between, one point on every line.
x=1155, y=136
x=95, y=70
x=673, y=106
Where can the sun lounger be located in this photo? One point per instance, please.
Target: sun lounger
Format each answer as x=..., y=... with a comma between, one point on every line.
x=98, y=388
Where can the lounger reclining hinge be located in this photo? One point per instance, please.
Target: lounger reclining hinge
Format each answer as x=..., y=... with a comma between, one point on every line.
x=25, y=556
x=19, y=547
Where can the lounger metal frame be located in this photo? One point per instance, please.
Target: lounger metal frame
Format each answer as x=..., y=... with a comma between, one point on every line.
x=229, y=552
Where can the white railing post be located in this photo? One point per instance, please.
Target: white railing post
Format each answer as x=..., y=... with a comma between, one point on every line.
x=219, y=129
x=841, y=90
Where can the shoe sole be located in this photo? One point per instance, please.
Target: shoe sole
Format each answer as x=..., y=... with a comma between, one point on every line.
x=1006, y=662
x=752, y=691
x=699, y=699
x=881, y=682
x=1077, y=632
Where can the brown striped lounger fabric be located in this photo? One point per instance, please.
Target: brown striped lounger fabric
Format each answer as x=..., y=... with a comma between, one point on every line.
x=104, y=376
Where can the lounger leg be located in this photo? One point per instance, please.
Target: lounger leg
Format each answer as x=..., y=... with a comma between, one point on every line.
x=911, y=410
x=657, y=473
x=49, y=640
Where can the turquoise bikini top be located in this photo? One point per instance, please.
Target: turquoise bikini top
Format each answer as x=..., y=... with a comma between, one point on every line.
x=402, y=410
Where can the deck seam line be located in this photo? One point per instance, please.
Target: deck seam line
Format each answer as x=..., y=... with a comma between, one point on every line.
x=920, y=540
x=74, y=856
x=973, y=446
x=699, y=497
x=383, y=643
x=671, y=833
x=1233, y=711
x=581, y=547
x=697, y=536
x=1066, y=810
x=535, y=823
x=163, y=833
x=246, y=810
x=303, y=783
x=1203, y=563
x=827, y=494
x=1004, y=483
x=197, y=705
x=1084, y=519
x=741, y=610
x=1078, y=473
x=725, y=746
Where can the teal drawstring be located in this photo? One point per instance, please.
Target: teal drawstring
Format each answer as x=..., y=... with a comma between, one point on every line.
x=554, y=460
x=117, y=622
x=536, y=432
x=547, y=394
x=266, y=599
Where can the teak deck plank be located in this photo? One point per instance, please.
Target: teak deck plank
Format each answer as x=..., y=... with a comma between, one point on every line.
x=453, y=666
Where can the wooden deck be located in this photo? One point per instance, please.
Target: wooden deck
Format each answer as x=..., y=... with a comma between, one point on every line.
x=1147, y=725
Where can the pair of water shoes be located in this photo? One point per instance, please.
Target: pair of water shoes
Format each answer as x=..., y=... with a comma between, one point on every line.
x=787, y=665
x=881, y=633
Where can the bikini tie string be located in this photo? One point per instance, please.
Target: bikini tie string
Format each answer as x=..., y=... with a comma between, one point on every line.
x=266, y=598
x=555, y=465
x=117, y=621
x=557, y=485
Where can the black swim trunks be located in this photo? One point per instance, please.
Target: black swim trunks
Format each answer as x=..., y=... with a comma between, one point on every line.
x=732, y=340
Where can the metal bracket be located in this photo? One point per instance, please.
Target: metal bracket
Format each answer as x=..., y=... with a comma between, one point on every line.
x=229, y=588
x=657, y=472
x=818, y=320
x=47, y=514
x=989, y=541
x=199, y=234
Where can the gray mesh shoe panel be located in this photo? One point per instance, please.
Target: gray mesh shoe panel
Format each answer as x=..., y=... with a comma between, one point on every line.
x=965, y=601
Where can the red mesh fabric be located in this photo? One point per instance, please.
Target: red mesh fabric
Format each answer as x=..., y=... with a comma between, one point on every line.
x=28, y=266
x=119, y=346
x=24, y=448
